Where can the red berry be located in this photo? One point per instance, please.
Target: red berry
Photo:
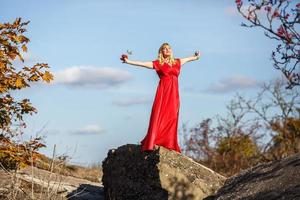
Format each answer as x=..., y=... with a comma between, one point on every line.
x=239, y=3
x=123, y=57
x=287, y=16
x=268, y=8
x=276, y=13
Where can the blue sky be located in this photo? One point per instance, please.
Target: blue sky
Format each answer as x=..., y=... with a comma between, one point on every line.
x=96, y=102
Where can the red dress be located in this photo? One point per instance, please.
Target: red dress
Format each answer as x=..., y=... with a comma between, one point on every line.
x=162, y=129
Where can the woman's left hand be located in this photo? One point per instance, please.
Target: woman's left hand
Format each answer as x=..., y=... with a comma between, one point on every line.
x=197, y=54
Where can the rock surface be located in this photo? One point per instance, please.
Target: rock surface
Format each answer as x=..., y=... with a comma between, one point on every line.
x=160, y=174
x=274, y=180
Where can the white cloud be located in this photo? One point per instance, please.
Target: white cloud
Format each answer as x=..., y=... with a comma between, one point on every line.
x=131, y=102
x=93, y=77
x=89, y=129
x=232, y=84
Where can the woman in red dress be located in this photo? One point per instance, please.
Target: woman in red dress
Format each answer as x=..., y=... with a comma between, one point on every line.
x=162, y=129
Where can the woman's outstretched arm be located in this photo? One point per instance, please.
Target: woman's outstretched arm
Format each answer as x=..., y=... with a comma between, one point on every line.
x=191, y=58
x=139, y=63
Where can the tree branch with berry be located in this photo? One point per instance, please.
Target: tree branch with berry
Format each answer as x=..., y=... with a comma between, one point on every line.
x=280, y=20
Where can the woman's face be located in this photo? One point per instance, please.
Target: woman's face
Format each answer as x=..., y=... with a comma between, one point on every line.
x=166, y=51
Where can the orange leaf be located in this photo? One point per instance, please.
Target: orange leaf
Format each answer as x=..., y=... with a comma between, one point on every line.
x=24, y=48
x=19, y=83
x=17, y=21
x=2, y=65
x=34, y=77
x=22, y=38
x=47, y=76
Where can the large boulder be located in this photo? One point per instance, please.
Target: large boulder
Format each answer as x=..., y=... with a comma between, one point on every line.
x=274, y=180
x=161, y=174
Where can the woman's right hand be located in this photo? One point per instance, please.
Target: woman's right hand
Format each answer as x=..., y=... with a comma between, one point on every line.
x=124, y=58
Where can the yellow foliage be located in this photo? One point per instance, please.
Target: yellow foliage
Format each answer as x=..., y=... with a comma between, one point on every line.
x=24, y=48
x=12, y=55
x=47, y=76
x=286, y=141
x=3, y=89
x=19, y=83
x=12, y=42
x=22, y=38
x=16, y=156
x=17, y=22
x=243, y=146
x=34, y=77
x=235, y=153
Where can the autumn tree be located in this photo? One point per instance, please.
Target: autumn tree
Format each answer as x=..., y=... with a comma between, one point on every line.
x=254, y=130
x=198, y=141
x=277, y=111
x=280, y=21
x=13, y=43
x=286, y=141
x=227, y=146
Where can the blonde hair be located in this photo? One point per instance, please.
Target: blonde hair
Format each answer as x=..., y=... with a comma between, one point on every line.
x=160, y=57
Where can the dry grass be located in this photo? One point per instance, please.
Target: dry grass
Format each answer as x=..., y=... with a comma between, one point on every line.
x=46, y=183
x=15, y=186
x=92, y=172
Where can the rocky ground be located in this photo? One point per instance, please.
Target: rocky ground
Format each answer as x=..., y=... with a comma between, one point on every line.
x=161, y=174
x=274, y=180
